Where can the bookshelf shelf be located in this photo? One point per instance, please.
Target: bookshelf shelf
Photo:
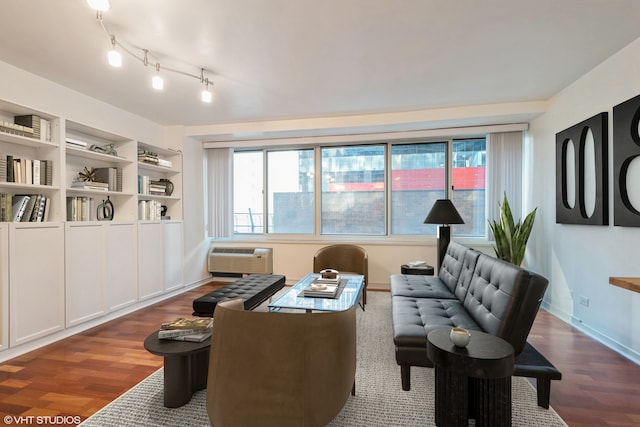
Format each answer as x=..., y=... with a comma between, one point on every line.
x=92, y=155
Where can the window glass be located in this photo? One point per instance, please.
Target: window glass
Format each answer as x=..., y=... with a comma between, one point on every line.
x=469, y=178
x=248, y=214
x=353, y=190
x=291, y=195
x=418, y=179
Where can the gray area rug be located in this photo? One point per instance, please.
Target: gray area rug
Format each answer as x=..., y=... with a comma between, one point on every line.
x=379, y=401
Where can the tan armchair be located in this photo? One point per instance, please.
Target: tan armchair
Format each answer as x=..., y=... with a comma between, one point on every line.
x=347, y=259
x=279, y=369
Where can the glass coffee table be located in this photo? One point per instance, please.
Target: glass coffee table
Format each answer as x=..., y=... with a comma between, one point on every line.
x=293, y=298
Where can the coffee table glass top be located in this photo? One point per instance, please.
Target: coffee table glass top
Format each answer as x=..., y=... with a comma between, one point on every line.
x=293, y=298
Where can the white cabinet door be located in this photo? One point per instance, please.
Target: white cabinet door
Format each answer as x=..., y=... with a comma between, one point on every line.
x=122, y=257
x=4, y=286
x=36, y=281
x=85, y=255
x=172, y=259
x=149, y=259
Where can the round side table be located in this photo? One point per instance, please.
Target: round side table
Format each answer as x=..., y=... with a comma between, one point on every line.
x=186, y=365
x=471, y=382
x=424, y=271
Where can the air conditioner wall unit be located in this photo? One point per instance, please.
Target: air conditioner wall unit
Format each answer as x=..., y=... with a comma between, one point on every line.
x=240, y=261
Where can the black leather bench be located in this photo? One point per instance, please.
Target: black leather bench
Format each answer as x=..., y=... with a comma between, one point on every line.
x=253, y=289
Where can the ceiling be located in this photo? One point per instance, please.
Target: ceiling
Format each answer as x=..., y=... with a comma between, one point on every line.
x=293, y=59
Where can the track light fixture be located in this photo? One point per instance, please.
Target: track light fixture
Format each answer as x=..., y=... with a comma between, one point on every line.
x=101, y=5
x=206, y=94
x=115, y=58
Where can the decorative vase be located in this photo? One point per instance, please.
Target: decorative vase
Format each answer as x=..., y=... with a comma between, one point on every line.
x=168, y=189
x=460, y=337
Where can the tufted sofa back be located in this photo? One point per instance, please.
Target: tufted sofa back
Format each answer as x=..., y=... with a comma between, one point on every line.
x=457, y=268
x=504, y=299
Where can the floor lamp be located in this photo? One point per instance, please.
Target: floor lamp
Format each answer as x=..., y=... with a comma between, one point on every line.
x=444, y=213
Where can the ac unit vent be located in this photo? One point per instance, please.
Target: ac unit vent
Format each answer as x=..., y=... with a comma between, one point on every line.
x=240, y=260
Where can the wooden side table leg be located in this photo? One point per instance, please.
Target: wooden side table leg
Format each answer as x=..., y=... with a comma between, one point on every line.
x=177, y=381
x=199, y=370
x=451, y=400
x=492, y=406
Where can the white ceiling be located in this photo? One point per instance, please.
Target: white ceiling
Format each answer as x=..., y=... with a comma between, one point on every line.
x=289, y=59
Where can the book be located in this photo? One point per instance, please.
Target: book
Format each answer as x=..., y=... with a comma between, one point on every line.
x=192, y=323
x=18, y=207
x=90, y=185
x=199, y=337
x=317, y=290
x=3, y=167
x=325, y=281
x=26, y=216
x=36, y=207
x=108, y=176
x=76, y=142
x=6, y=207
x=164, y=334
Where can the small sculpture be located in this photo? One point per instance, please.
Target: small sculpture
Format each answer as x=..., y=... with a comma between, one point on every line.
x=109, y=149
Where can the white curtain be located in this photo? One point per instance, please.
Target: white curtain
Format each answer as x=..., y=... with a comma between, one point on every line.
x=504, y=173
x=220, y=177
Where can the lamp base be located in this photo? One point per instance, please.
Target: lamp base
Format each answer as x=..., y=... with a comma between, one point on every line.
x=444, y=237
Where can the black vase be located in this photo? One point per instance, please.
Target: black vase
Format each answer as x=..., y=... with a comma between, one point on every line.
x=168, y=189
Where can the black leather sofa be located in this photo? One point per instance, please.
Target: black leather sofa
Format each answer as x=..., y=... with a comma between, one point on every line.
x=474, y=291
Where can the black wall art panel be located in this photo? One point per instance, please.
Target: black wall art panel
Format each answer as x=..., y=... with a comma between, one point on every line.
x=577, y=134
x=626, y=147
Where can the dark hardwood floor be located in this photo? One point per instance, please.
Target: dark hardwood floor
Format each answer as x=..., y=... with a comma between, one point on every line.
x=79, y=375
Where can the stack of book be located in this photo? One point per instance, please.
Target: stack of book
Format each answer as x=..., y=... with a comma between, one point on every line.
x=30, y=125
x=322, y=288
x=90, y=185
x=194, y=329
x=146, y=156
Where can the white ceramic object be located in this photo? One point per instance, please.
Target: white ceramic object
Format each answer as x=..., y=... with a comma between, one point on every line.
x=460, y=337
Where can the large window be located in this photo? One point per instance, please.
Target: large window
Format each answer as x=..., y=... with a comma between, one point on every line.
x=353, y=190
x=291, y=195
x=376, y=189
x=418, y=179
x=248, y=194
x=469, y=177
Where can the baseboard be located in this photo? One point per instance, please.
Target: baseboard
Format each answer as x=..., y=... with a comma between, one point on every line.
x=605, y=340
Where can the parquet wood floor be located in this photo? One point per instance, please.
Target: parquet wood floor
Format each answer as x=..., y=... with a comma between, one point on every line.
x=79, y=375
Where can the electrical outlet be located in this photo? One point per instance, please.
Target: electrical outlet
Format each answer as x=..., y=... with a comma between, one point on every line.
x=584, y=301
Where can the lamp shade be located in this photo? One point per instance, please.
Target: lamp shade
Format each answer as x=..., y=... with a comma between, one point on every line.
x=443, y=212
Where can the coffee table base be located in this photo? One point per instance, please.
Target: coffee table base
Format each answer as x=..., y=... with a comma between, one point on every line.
x=183, y=376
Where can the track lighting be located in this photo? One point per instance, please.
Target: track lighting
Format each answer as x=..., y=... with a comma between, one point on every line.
x=156, y=81
x=206, y=94
x=101, y=5
x=115, y=59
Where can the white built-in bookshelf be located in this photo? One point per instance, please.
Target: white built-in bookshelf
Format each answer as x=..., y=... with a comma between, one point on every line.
x=72, y=261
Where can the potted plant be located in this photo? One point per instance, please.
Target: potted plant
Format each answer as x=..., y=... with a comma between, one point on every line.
x=510, y=237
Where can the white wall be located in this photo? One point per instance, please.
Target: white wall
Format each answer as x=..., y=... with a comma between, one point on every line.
x=578, y=259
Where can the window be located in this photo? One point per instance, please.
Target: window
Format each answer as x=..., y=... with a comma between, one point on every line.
x=354, y=198
x=291, y=191
x=248, y=210
x=353, y=190
x=418, y=179
x=468, y=173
